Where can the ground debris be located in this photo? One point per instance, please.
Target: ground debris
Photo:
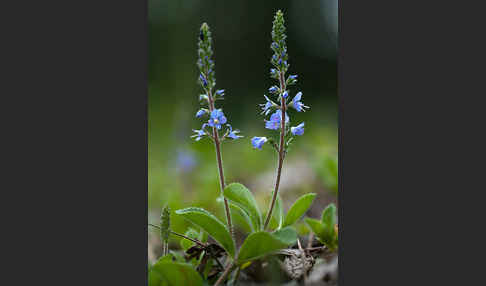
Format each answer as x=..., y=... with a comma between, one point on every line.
x=324, y=272
x=297, y=263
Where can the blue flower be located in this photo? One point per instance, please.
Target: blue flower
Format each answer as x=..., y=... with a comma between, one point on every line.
x=201, y=112
x=233, y=134
x=293, y=77
x=199, y=133
x=258, y=142
x=217, y=118
x=275, y=119
x=274, y=45
x=285, y=94
x=280, y=62
x=274, y=57
x=298, y=130
x=203, y=80
x=297, y=104
x=273, y=72
x=220, y=92
x=267, y=106
x=273, y=89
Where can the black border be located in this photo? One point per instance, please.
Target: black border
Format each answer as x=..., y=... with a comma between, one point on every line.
x=77, y=141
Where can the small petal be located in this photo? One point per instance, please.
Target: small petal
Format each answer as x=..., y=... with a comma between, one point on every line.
x=273, y=89
x=258, y=142
x=201, y=112
x=297, y=104
x=233, y=134
x=297, y=96
x=222, y=120
x=298, y=130
x=275, y=119
x=272, y=125
x=203, y=80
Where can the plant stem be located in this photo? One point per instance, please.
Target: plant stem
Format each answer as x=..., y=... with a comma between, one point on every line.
x=181, y=235
x=225, y=274
x=217, y=145
x=281, y=152
x=237, y=275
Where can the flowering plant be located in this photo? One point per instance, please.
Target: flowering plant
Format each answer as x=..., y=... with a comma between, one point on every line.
x=269, y=235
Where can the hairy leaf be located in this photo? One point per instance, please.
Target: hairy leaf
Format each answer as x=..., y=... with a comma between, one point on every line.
x=173, y=274
x=257, y=245
x=243, y=198
x=191, y=233
x=239, y=216
x=316, y=226
x=277, y=214
x=298, y=209
x=287, y=235
x=209, y=223
x=328, y=222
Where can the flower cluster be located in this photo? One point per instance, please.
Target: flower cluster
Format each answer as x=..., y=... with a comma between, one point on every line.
x=207, y=79
x=280, y=64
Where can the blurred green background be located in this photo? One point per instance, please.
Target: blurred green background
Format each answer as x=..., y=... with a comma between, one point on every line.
x=183, y=172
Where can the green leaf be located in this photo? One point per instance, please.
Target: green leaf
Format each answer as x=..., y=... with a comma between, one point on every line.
x=243, y=198
x=277, y=214
x=154, y=279
x=191, y=233
x=209, y=223
x=326, y=234
x=167, y=257
x=316, y=226
x=287, y=235
x=239, y=216
x=178, y=255
x=298, y=209
x=328, y=221
x=173, y=274
x=257, y=245
x=203, y=236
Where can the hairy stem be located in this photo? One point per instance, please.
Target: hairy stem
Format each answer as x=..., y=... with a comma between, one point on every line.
x=225, y=274
x=181, y=235
x=217, y=145
x=281, y=151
